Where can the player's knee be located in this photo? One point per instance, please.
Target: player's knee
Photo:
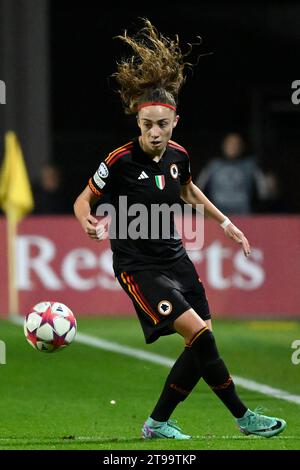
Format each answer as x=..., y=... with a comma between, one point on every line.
x=203, y=344
x=188, y=324
x=191, y=336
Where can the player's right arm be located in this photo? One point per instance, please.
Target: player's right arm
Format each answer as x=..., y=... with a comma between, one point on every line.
x=104, y=180
x=82, y=210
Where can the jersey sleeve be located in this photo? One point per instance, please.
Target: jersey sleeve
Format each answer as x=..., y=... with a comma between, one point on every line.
x=102, y=181
x=185, y=173
x=108, y=176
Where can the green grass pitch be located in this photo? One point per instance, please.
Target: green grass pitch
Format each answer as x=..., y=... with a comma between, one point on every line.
x=63, y=400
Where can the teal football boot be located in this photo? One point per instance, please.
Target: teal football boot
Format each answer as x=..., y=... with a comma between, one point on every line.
x=260, y=425
x=162, y=430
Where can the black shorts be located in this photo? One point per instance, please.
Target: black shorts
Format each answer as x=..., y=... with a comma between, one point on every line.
x=160, y=296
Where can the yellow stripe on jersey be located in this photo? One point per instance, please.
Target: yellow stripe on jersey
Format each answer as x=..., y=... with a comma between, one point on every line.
x=136, y=296
x=114, y=152
x=174, y=144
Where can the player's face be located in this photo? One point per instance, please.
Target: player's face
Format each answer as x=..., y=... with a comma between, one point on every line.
x=156, y=124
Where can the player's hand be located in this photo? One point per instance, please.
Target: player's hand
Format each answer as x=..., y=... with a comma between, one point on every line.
x=235, y=234
x=89, y=224
x=102, y=228
x=101, y=232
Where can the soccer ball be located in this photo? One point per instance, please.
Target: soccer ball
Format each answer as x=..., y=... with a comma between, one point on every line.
x=50, y=326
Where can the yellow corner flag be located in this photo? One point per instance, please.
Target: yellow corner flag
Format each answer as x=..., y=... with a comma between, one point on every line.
x=16, y=198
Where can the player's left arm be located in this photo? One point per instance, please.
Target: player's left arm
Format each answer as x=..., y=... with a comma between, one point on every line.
x=191, y=194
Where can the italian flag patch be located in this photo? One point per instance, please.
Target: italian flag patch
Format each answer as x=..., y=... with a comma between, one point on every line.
x=160, y=181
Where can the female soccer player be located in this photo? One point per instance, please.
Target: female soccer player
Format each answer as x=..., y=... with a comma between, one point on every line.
x=156, y=272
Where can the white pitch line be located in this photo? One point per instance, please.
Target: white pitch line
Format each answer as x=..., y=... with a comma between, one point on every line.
x=126, y=350
x=168, y=362
x=266, y=390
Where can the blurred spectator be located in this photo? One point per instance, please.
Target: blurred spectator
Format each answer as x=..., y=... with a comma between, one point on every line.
x=49, y=196
x=276, y=201
x=233, y=181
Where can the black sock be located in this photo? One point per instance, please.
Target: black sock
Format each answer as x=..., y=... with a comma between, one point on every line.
x=199, y=358
x=181, y=380
x=183, y=377
x=218, y=378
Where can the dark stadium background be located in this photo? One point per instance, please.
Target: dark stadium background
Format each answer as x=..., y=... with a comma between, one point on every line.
x=65, y=52
x=244, y=86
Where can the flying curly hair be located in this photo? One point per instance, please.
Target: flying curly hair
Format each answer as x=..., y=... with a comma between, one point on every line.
x=155, y=71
